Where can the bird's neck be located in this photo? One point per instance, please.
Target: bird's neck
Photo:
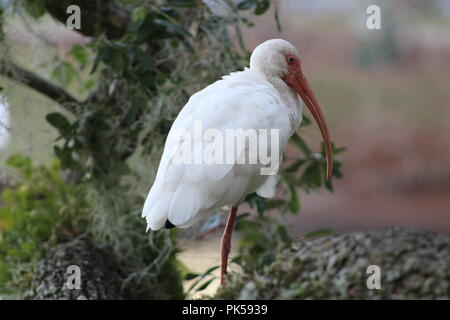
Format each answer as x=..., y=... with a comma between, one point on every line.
x=290, y=99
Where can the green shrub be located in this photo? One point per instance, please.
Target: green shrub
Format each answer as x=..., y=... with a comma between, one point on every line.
x=38, y=210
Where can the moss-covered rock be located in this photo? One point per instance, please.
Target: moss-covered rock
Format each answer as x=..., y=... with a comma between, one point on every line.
x=414, y=264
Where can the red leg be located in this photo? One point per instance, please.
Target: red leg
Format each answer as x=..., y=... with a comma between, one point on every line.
x=225, y=243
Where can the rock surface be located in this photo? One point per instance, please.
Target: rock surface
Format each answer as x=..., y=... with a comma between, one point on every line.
x=413, y=265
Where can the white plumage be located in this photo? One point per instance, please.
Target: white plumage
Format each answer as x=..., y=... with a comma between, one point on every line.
x=241, y=100
x=264, y=96
x=261, y=99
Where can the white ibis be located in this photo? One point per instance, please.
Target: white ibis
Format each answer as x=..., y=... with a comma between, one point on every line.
x=264, y=96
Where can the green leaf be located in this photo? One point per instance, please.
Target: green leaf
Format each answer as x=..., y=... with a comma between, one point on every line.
x=64, y=73
x=329, y=185
x=246, y=224
x=293, y=202
x=250, y=198
x=262, y=7
x=246, y=4
x=191, y=276
x=80, y=54
x=35, y=9
x=146, y=62
x=65, y=155
x=173, y=27
x=274, y=203
x=296, y=165
x=283, y=234
x=312, y=176
x=117, y=61
x=182, y=3
x=301, y=144
x=337, y=169
x=18, y=161
x=137, y=18
x=99, y=123
x=205, y=274
x=104, y=55
x=59, y=121
x=205, y=285
x=243, y=215
x=339, y=150
x=260, y=203
x=305, y=121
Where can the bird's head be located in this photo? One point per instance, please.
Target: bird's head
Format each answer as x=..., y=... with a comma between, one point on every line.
x=278, y=58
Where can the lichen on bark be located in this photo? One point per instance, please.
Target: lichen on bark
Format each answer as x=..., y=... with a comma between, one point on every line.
x=414, y=265
x=100, y=275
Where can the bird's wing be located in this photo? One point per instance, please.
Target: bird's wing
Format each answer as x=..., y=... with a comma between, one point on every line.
x=181, y=190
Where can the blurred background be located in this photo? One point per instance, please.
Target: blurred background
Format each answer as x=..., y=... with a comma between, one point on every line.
x=385, y=94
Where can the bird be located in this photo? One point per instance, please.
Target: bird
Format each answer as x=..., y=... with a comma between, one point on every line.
x=263, y=98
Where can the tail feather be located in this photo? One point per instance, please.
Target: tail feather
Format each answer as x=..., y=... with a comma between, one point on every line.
x=185, y=205
x=156, y=212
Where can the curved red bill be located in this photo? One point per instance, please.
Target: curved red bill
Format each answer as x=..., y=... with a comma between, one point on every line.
x=298, y=81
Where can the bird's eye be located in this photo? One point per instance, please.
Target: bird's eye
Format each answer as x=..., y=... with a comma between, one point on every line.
x=290, y=60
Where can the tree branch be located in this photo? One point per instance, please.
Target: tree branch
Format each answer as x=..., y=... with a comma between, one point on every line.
x=28, y=78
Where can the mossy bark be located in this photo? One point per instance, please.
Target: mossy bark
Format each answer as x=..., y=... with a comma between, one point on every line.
x=413, y=264
x=100, y=275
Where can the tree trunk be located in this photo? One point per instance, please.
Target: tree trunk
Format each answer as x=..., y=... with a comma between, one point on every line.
x=409, y=264
x=99, y=274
